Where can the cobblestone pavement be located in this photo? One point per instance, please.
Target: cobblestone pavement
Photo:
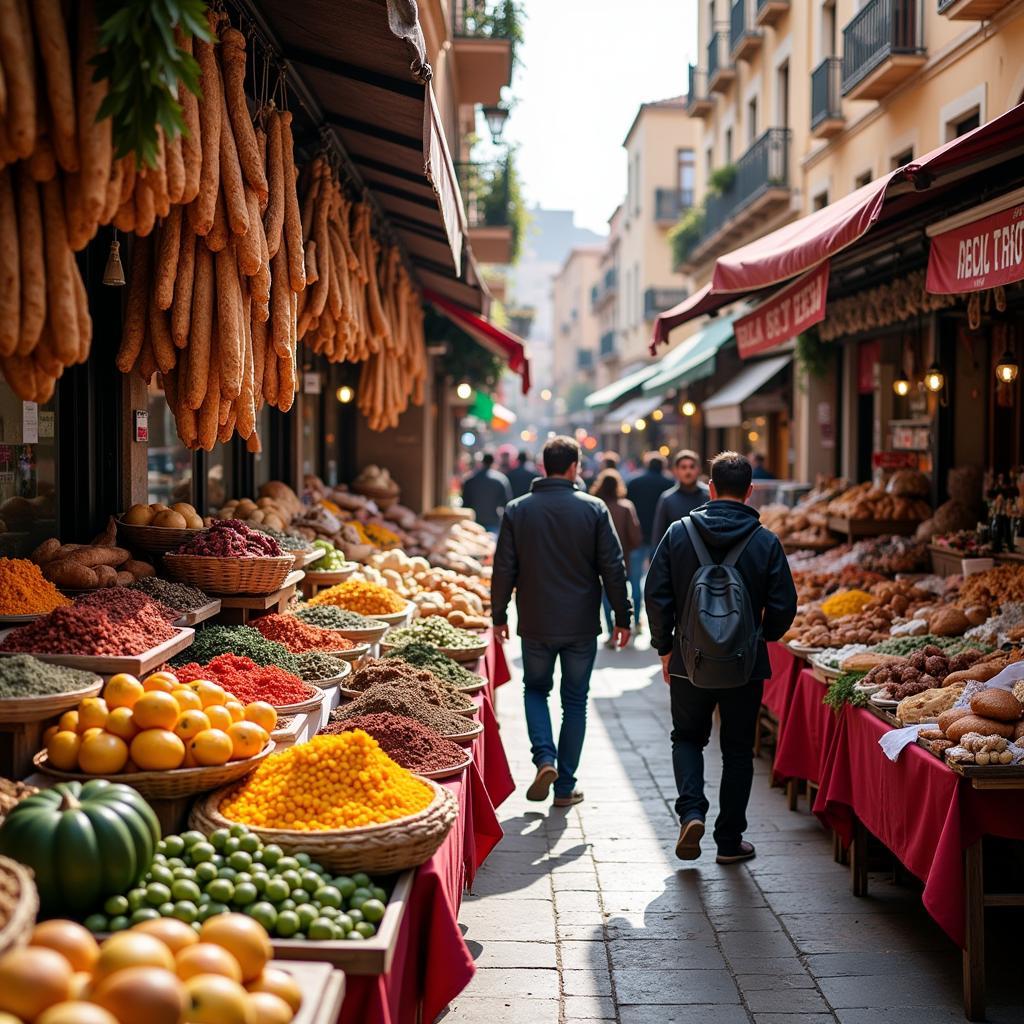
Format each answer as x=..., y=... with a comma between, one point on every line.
x=586, y=915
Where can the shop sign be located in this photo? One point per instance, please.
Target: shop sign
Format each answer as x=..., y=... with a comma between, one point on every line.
x=311, y=383
x=782, y=317
x=982, y=254
x=894, y=460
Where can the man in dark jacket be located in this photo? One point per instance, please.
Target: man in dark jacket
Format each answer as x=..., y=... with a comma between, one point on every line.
x=722, y=523
x=644, y=490
x=486, y=492
x=683, y=497
x=556, y=549
x=519, y=477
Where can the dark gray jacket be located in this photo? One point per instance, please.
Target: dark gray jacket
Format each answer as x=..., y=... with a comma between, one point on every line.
x=673, y=504
x=556, y=547
x=486, y=492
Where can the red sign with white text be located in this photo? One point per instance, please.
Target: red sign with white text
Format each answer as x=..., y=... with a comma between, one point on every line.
x=798, y=306
x=982, y=254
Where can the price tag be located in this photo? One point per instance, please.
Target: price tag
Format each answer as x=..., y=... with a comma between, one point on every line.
x=141, y=425
x=46, y=423
x=29, y=423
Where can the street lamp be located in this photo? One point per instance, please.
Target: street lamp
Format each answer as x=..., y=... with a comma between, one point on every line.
x=464, y=392
x=934, y=378
x=1007, y=368
x=901, y=386
x=688, y=409
x=496, y=117
x=546, y=394
x=344, y=394
x=641, y=424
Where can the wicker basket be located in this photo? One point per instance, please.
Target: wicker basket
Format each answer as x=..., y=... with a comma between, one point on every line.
x=377, y=849
x=35, y=709
x=20, y=890
x=154, y=539
x=230, y=575
x=169, y=785
x=302, y=707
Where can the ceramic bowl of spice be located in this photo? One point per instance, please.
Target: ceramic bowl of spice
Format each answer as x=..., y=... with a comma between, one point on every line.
x=433, y=690
x=298, y=636
x=32, y=690
x=249, y=682
x=396, y=699
x=425, y=655
x=349, y=624
x=323, y=670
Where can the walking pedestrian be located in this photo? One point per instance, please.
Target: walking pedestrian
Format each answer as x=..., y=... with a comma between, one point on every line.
x=683, y=497
x=486, y=492
x=643, y=490
x=611, y=489
x=719, y=587
x=556, y=549
x=520, y=476
x=760, y=467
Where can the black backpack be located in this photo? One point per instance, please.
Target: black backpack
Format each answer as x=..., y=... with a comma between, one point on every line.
x=718, y=636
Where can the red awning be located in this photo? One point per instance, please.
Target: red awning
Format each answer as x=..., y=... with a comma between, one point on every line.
x=797, y=247
x=496, y=339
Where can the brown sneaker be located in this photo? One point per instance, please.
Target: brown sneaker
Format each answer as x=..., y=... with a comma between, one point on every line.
x=690, y=834
x=575, y=797
x=746, y=851
x=542, y=783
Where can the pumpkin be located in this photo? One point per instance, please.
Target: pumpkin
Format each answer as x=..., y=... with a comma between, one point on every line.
x=84, y=841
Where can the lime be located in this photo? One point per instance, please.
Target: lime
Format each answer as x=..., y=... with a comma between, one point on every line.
x=221, y=890
x=317, y=869
x=96, y=922
x=196, y=927
x=345, y=885
x=143, y=914
x=157, y=893
x=238, y=830
x=264, y=913
x=249, y=843
x=320, y=929
x=365, y=929
x=373, y=911
x=259, y=879
x=288, y=864
x=328, y=896
x=307, y=914
x=354, y=936
x=310, y=881
x=355, y=914
x=240, y=860
x=304, y=859
x=339, y=932
x=361, y=879
x=116, y=906
x=293, y=878
x=229, y=873
x=166, y=909
x=216, y=860
x=188, y=873
x=287, y=924
x=185, y=910
x=299, y=937
x=245, y=893
x=186, y=889
x=243, y=876
x=360, y=896
x=136, y=899
x=276, y=890
x=118, y=924
x=379, y=893
x=271, y=854
x=200, y=852
x=230, y=845
x=173, y=846
x=212, y=909
x=218, y=837
x=191, y=838
x=287, y=904
x=205, y=872
x=174, y=862
x=330, y=913
x=344, y=922
x=161, y=873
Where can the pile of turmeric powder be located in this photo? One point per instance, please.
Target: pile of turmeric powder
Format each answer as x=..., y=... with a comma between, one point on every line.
x=24, y=591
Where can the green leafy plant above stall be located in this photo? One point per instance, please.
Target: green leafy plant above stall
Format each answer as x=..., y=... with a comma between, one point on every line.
x=722, y=179
x=464, y=358
x=812, y=354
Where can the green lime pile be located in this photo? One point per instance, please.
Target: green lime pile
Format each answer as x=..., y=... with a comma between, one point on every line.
x=194, y=878
x=331, y=560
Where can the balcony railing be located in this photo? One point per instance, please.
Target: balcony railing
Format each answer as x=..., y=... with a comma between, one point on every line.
x=607, y=345
x=476, y=19
x=971, y=10
x=486, y=193
x=657, y=300
x=744, y=35
x=605, y=288
x=698, y=102
x=584, y=359
x=669, y=204
x=720, y=70
x=880, y=30
x=826, y=93
x=770, y=11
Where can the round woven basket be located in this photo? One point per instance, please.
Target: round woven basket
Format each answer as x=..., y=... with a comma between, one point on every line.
x=154, y=539
x=19, y=891
x=169, y=785
x=35, y=709
x=460, y=654
x=230, y=575
x=302, y=707
x=377, y=849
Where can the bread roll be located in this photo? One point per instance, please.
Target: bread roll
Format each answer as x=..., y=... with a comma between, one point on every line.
x=947, y=718
x=974, y=723
x=998, y=704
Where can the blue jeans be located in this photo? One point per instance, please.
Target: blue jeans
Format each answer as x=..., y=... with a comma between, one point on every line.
x=577, y=660
x=637, y=557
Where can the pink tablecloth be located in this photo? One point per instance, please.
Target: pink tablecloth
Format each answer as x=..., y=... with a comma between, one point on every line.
x=786, y=666
x=805, y=731
x=924, y=813
x=495, y=665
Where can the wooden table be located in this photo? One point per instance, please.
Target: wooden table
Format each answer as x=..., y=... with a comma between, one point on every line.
x=855, y=528
x=323, y=989
x=238, y=609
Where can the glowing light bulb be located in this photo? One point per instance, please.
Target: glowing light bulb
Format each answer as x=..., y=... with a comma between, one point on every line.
x=1007, y=369
x=934, y=379
x=657, y=415
x=344, y=394
x=464, y=391
x=688, y=409
x=641, y=424
x=901, y=386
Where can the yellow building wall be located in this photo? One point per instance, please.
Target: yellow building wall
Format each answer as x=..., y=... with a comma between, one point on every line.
x=575, y=325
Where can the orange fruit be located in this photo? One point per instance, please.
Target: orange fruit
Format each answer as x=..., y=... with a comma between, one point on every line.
x=281, y=984
x=155, y=750
x=122, y=691
x=208, y=692
x=76, y=1011
x=33, y=979
x=219, y=716
x=215, y=999
x=92, y=713
x=143, y=995
x=81, y=985
x=263, y=714
x=104, y=754
x=206, y=958
x=247, y=739
x=211, y=747
x=50, y=733
x=71, y=940
x=235, y=708
x=241, y=936
x=68, y=722
x=267, y=1008
x=121, y=722
x=130, y=949
x=165, y=681
x=62, y=750
x=156, y=710
x=90, y=733
x=174, y=934
x=186, y=698
x=190, y=723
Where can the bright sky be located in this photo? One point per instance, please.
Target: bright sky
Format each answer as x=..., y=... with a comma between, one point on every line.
x=586, y=67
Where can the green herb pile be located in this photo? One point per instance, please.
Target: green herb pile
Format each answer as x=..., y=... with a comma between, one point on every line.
x=436, y=630
x=244, y=641
x=329, y=616
x=841, y=691
x=25, y=676
x=424, y=655
x=315, y=665
x=904, y=646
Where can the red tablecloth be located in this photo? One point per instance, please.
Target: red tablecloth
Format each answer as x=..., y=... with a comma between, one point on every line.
x=786, y=666
x=495, y=664
x=805, y=731
x=924, y=813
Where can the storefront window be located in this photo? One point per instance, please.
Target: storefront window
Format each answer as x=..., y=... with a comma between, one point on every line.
x=219, y=477
x=28, y=473
x=170, y=462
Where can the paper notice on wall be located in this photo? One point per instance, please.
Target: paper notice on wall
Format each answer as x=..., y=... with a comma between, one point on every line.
x=29, y=423
x=46, y=423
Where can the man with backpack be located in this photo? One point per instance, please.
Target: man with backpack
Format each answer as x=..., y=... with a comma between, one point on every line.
x=718, y=588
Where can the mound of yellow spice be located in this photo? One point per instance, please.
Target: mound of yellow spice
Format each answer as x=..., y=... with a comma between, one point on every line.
x=331, y=782
x=361, y=596
x=24, y=590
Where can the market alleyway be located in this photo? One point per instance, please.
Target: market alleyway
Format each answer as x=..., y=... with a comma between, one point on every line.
x=586, y=915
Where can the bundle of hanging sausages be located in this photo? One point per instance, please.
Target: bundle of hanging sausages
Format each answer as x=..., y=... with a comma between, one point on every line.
x=58, y=183
x=360, y=305
x=213, y=296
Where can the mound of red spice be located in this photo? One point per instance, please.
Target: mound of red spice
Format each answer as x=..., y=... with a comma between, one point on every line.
x=298, y=637
x=231, y=538
x=406, y=741
x=249, y=681
x=108, y=623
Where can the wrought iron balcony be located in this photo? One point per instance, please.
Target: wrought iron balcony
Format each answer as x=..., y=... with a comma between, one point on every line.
x=971, y=10
x=477, y=19
x=826, y=98
x=484, y=37
x=657, y=300
x=745, y=37
x=669, y=204
x=769, y=12
x=607, y=348
x=721, y=72
x=605, y=289
x=698, y=102
x=485, y=193
x=883, y=45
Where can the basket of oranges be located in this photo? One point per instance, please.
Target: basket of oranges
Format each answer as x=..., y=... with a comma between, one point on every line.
x=162, y=737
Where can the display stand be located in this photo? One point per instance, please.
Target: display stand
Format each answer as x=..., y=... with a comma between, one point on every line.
x=853, y=529
x=323, y=989
x=320, y=579
x=238, y=609
x=200, y=614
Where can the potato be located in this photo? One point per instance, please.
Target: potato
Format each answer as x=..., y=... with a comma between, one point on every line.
x=157, y=506
x=138, y=515
x=183, y=508
x=194, y=521
x=170, y=520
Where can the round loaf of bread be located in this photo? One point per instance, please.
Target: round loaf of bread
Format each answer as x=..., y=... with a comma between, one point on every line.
x=947, y=718
x=975, y=723
x=998, y=704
